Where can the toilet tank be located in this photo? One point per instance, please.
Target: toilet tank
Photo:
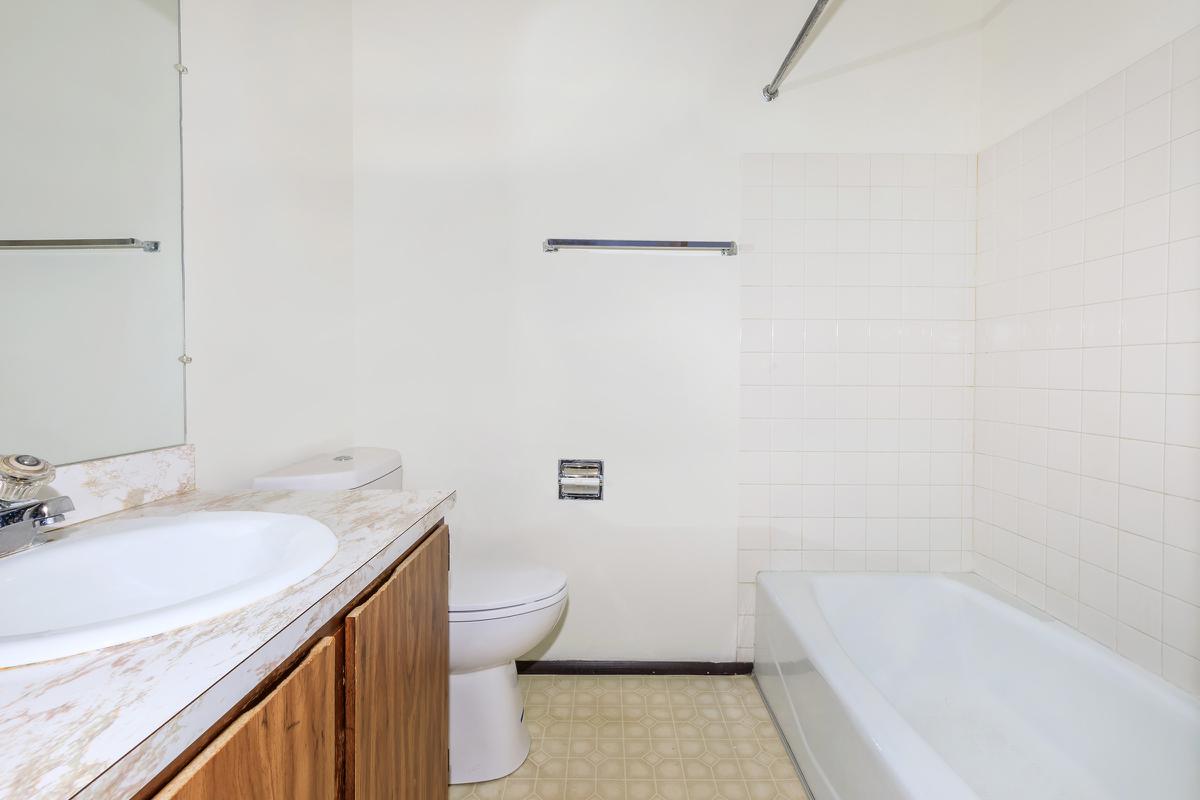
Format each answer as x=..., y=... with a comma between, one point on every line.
x=352, y=468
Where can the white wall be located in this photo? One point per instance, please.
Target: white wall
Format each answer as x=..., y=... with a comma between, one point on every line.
x=1088, y=398
x=268, y=246
x=478, y=130
x=1038, y=55
x=481, y=129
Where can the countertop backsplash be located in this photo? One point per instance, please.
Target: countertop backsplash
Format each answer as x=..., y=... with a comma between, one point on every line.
x=108, y=485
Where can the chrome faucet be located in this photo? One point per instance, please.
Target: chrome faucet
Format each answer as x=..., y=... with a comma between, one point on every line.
x=22, y=515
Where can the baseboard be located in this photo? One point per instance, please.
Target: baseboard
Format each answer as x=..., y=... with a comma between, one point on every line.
x=635, y=667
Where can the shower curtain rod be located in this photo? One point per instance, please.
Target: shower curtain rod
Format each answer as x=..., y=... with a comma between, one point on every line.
x=771, y=90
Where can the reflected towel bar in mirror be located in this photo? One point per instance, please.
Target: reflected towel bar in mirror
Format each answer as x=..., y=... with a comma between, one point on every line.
x=724, y=248
x=79, y=244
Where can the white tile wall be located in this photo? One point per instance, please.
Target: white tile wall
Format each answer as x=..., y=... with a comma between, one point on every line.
x=1087, y=399
x=857, y=340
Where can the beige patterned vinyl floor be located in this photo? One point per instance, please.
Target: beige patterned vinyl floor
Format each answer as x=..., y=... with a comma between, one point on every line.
x=645, y=738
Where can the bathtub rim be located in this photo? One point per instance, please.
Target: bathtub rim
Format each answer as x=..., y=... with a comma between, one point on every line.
x=902, y=751
x=1032, y=618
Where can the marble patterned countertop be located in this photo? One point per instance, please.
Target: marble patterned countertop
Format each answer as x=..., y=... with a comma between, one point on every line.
x=102, y=724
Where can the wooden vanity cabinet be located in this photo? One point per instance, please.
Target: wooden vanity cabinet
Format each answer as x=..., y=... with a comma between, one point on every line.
x=365, y=714
x=398, y=682
x=285, y=748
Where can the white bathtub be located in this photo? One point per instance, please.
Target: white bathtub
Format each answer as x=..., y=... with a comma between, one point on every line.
x=929, y=687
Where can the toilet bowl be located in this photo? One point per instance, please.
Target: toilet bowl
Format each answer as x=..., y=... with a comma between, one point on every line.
x=497, y=613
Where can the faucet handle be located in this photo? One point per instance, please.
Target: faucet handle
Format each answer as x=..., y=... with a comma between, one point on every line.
x=21, y=476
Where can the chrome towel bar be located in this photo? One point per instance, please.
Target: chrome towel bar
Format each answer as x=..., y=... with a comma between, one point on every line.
x=79, y=244
x=724, y=248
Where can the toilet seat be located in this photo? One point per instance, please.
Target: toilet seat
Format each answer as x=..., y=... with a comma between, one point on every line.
x=508, y=611
x=503, y=590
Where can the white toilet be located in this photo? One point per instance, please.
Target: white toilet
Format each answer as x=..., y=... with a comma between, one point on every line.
x=498, y=611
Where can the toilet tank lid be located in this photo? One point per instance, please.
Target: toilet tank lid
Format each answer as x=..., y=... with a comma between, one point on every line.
x=492, y=585
x=345, y=469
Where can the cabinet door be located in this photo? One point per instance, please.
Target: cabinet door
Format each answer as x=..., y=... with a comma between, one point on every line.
x=285, y=748
x=398, y=681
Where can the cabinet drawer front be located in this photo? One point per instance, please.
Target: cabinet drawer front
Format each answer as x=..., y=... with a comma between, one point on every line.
x=285, y=748
x=398, y=681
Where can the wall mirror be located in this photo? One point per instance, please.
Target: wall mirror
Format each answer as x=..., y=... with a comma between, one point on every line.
x=90, y=150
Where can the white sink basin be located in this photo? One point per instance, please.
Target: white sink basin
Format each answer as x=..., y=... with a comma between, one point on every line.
x=134, y=578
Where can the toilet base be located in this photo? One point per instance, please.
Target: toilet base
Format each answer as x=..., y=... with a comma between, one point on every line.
x=488, y=739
